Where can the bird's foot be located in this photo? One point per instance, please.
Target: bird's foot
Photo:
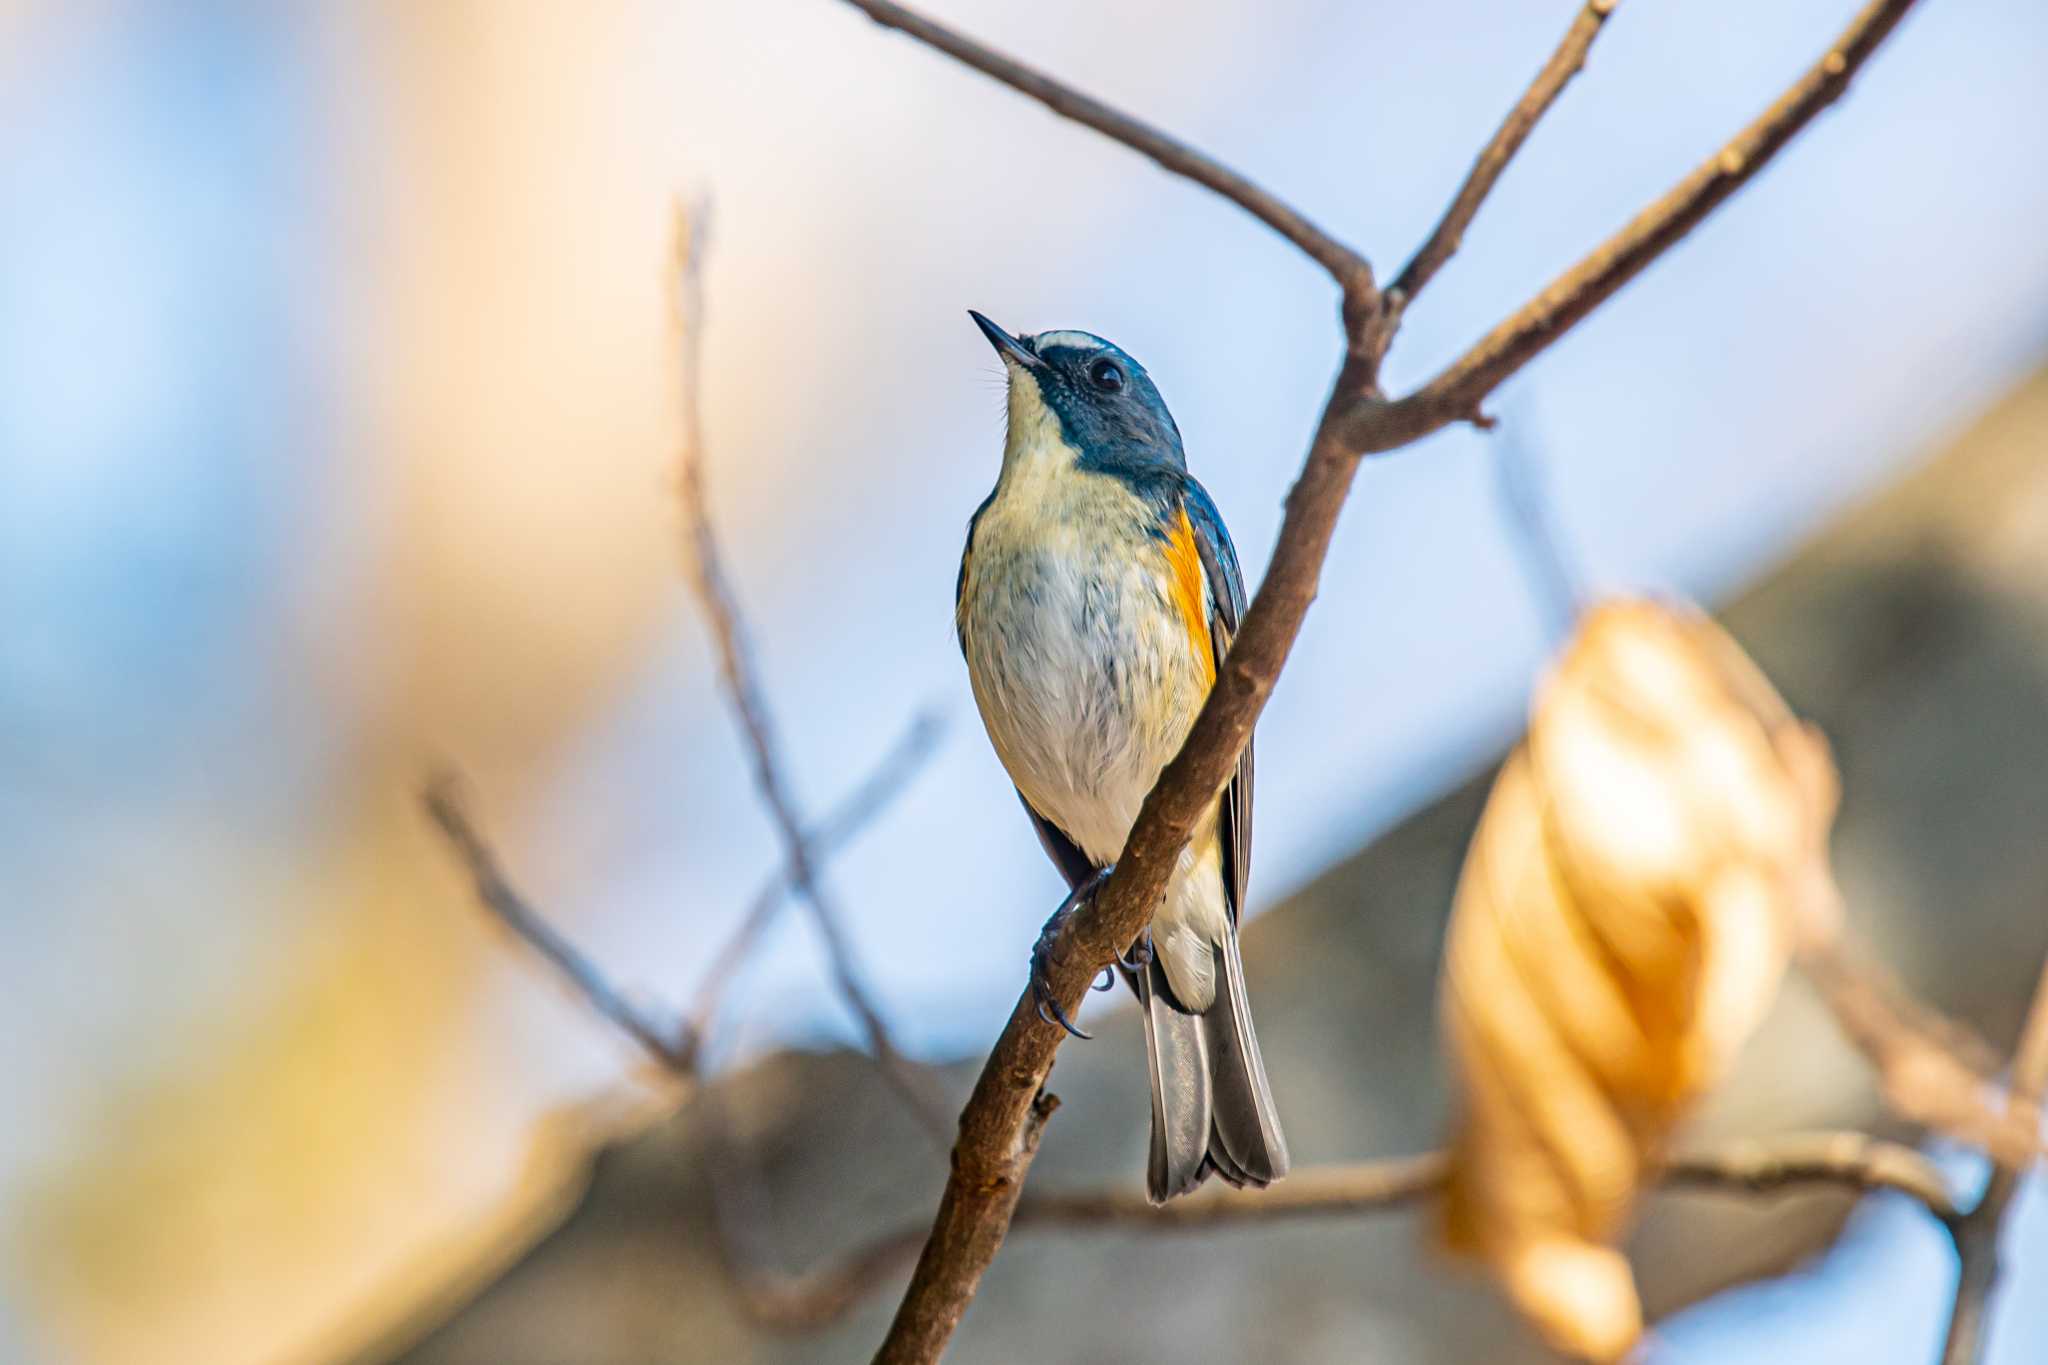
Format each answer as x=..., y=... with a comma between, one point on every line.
x=1041, y=952
x=1140, y=955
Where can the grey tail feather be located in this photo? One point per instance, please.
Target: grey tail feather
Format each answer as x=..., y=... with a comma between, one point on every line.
x=1212, y=1108
x=1246, y=1145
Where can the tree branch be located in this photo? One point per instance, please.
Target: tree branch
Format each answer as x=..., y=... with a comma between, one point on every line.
x=1932, y=1070
x=1346, y=265
x=852, y=815
x=1794, y=1162
x=1457, y=392
x=1449, y=233
x=679, y=1050
x=736, y=668
x=1978, y=1233
x=993, y=1154
x=674, y=1050
x=1520, y=478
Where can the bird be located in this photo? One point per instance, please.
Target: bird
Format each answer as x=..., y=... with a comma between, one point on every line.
x=1097, y=595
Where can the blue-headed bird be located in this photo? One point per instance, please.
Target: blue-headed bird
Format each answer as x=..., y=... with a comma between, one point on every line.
x=1098, y=593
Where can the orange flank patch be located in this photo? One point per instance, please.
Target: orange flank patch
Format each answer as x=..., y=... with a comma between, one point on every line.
x=1191, y=592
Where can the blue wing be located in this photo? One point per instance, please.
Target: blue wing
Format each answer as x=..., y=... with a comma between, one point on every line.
x=1226, y=594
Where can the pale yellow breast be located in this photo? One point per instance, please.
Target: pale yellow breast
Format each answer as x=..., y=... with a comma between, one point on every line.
x=1083, y=669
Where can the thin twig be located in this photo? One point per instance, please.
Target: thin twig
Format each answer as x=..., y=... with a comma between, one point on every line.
x=1519, y=472
x=1456, y=393
x=1979, y=1232
x=993, y=1154
x=675, y=1050
x=681, y=1053
x=1799, y=1161
x=853, y=813
x=1931, y=1069
x=1443, y=241
x=1346, y=265
x=737, y=671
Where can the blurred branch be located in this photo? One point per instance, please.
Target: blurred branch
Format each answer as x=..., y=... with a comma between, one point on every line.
x=1520, y=471
x=1449, y=233
x=853, y=814
x=997, y=1129
x=1793, y=1162
x=679, y=1050
x=1856, y=1160
x=704, y=564
x=1978, y=1233
x=675, y=1050
x=1347, y=266
x=1932, y=1069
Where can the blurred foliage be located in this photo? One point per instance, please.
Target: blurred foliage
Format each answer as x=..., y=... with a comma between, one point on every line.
x=1626, y=911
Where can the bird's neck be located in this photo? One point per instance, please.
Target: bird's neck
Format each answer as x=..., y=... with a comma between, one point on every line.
x=1036, y=452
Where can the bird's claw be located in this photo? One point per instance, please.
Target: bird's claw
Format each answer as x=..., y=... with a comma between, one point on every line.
x=1140, y=955
x=1041, y=954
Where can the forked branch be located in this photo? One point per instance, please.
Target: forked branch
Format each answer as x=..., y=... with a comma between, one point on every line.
x=705, y=564
x=1449, y=233
x=998, y=1130
x=1979, y=1232
x=1457, y=392
x=678, y=1049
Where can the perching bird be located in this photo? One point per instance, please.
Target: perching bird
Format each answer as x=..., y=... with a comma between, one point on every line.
x=1097, y=594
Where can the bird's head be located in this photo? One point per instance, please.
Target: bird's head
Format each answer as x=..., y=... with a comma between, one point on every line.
x=1076, y=390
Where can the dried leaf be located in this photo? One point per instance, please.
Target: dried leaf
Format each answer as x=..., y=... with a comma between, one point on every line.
x=1647, y=859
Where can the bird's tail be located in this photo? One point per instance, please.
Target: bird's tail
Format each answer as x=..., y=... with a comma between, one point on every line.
x=1212, y=1109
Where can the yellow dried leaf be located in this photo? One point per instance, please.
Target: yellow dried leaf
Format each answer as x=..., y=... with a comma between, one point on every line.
x=1647, y=858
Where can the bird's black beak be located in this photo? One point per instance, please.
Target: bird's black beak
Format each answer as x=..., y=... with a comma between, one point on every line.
x=1007, y=346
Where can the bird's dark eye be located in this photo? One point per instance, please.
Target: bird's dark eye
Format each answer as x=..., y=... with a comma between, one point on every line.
x=1106, y=375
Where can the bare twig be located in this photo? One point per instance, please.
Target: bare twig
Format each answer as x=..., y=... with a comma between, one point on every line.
x=679, y=1050
x=1457, y=392
x=853, y=813
x=1857, y=1160
x=675, y=1050
x=997, y=1135
x=1532, y=523
x=1449, y=233
x=742, y=686
x=1932, y=1069
x=1979, y=1232
x=1348, y=267
x=1753, y=1166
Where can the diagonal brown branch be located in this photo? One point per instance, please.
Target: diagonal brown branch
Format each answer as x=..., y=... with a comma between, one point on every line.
x=1797, y=1161
x=1449, y=233
x=1349, y=268
x=675, y=1050
x=997, y=1133
x=737, y=671
x=1457, y=392
x=1979, y=1232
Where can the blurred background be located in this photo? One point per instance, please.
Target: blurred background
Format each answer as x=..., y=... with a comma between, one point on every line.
x=336, y=416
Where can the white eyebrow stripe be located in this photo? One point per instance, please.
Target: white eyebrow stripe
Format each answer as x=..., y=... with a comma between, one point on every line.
x=1080, y=341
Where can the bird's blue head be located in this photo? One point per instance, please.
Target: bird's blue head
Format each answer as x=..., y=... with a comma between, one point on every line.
x=1075, y=390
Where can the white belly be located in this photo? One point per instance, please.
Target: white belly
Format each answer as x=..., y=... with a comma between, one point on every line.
x=1087, y=681
x=1082, y=671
